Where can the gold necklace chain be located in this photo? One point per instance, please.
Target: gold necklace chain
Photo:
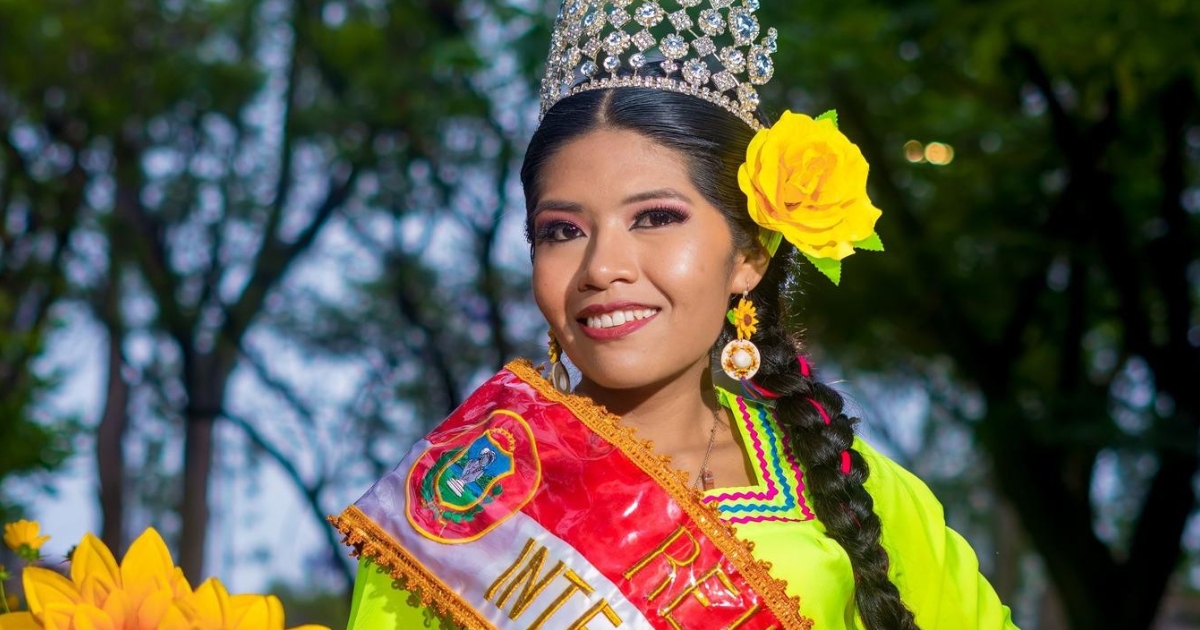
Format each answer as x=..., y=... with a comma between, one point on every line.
x=704, y=479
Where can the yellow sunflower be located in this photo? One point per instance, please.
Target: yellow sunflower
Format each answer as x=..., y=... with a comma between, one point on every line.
x=146, y=591
x=745, y=318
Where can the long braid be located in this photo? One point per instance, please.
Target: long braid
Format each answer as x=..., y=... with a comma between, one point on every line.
x=811, y=416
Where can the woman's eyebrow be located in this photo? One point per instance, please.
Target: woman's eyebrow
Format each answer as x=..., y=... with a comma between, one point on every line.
x=556, y=204
x=571, y=206
x=660, y=193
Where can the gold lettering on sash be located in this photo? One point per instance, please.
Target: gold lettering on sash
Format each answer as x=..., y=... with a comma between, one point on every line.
x=491, y=592
x=576, y=585
x=600, y=607
x=527, y=578
x=673, y=562
x=694, y=590
x=526, y=573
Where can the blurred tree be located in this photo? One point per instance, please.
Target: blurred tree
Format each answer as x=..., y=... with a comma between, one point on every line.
x=214, y=143
x=249, y=187
x=40, y=189
x=1041, y=279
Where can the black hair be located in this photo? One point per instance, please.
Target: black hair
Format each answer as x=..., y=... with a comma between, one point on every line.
x=713, y=142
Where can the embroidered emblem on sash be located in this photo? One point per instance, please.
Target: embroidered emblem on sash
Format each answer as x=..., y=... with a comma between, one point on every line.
x=462, y=488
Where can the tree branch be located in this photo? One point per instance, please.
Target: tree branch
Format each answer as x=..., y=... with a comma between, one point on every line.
x=275, y=257
x=311, y=492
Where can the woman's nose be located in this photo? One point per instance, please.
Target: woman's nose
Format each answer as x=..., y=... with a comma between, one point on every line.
x=610, y=258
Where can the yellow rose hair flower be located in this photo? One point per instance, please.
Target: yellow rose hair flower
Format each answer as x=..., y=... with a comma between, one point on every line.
x=806, y=182
x=24, y=539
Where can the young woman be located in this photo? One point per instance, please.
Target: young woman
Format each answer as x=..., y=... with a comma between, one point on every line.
x=699, y=475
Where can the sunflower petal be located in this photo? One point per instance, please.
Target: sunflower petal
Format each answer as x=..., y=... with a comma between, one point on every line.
x=255, y=615
x=45, y=588
x=151, y=610
x=89, y=617
x=211, y=602
x=173, y=619
x=147, y=566
x=92, y=558
x=118, y=608
x=18, y=621
x=58, y=616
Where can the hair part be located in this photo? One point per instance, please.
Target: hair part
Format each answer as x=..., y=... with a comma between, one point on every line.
x=713, y=143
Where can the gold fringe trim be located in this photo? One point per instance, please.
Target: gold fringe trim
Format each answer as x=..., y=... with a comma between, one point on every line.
x=641, y=452
x=368, y=539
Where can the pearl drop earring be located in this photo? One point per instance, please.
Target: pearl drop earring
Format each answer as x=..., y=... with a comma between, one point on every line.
x=559, y=376
x=740, y=358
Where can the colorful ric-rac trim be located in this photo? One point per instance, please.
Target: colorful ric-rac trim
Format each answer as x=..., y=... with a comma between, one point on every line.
x=781, y=495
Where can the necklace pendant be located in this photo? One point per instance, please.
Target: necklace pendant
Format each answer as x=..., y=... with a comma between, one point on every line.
x=707, y=481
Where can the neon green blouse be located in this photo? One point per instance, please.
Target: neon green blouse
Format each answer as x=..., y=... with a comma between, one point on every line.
x=934, y=568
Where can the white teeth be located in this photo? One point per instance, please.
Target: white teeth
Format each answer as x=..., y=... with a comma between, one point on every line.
x=619, y=318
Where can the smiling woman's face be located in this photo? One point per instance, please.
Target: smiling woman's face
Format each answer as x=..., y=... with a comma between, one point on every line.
x=632, y=266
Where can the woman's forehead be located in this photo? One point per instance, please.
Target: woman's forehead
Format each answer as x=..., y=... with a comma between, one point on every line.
x=619, y=164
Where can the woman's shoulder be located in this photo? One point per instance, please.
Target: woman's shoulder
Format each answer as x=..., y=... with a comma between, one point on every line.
x=934, y=567
x=914, y=521
x=893, y=486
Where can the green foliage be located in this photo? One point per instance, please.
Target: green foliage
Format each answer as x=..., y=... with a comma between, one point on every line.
x=1048, y=271
x=32, y=442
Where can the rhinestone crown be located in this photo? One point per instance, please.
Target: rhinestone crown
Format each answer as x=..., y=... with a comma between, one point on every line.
x=706, y=48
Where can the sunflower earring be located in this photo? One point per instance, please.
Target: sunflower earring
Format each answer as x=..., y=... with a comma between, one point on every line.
x=559, y=377
x=740, y=358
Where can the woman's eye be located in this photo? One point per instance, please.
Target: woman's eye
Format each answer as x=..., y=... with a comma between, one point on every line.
x=658, y=217
x=558, y=232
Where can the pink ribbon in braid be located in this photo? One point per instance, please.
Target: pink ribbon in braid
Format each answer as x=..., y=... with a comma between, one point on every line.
x=761, y=391
x=806, y=371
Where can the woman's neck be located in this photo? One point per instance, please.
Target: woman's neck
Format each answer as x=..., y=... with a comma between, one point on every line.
x=676, y=414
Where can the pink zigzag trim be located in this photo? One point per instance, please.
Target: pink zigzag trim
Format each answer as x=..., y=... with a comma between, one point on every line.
x=772, y=490
x=760, y=519
x=791, y=457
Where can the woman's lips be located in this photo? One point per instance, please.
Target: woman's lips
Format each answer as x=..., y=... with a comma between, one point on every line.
x=601, y=321
x=615, y=332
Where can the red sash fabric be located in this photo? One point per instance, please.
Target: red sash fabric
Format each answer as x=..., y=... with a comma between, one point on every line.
x=529, y=509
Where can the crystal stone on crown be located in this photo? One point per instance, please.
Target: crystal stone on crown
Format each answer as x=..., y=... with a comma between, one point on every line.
x=706, y=48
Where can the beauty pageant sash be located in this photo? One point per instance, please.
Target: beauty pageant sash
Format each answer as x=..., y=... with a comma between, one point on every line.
x=529, y=509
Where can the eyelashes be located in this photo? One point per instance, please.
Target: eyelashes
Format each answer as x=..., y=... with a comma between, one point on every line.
x=556, y=232
x=561, y=231
x=658, y=217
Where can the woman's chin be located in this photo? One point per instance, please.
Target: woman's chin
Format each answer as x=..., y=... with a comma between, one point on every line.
x=629, y=375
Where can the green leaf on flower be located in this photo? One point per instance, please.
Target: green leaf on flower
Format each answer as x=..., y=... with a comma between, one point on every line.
x=871, y=243
x=729, y=316
x=828, y=266
x=829, y=115
x=770, y=239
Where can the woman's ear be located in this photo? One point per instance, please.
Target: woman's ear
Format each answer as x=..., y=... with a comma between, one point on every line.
x=749, y=267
